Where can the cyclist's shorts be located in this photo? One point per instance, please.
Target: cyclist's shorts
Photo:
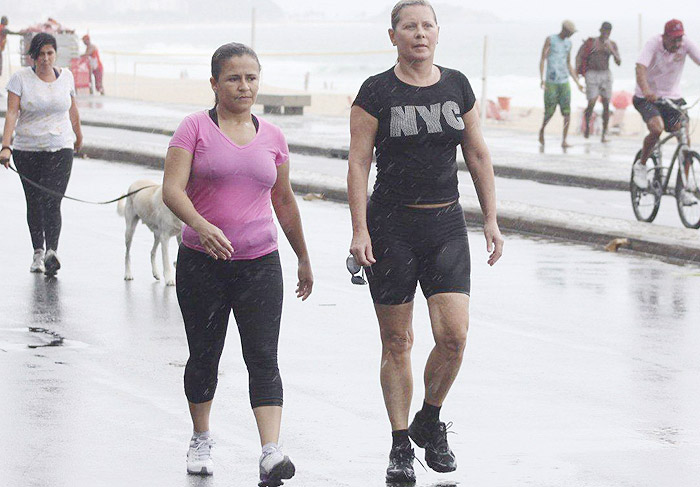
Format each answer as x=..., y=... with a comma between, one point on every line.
x=649, y=110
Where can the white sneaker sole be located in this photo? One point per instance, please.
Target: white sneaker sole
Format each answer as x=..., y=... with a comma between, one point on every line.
x=204, y=470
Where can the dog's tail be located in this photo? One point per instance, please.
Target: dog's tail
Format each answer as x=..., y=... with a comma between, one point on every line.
x=120, y=206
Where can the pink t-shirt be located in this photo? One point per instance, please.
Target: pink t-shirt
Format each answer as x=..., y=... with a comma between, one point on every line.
x=230, y=185
x=664, y=68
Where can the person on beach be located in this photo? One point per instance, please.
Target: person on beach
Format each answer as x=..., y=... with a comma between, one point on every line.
x=96, y=69
x=224, y=169
x=3, y=38
x=593, y=62
x=658, y=74
x=42, y=113
x=557, y=53
x=413, y=228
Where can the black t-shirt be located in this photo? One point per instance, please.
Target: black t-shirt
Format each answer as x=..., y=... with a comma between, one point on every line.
x=419, y=130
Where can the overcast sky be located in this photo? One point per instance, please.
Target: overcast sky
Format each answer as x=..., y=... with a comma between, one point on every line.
x=533, y=9
x=505, y=9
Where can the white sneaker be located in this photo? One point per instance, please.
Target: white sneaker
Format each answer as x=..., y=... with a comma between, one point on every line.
x=640, y=175
x=688, y=198
x=37, y=261
x=275, y=466
x=51, y=263
x=199, y=460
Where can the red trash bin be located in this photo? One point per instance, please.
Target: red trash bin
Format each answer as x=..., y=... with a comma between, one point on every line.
x=81, y=72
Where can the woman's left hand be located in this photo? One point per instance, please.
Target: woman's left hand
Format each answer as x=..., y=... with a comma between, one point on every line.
x=494, y=242
x=78, y=143
x=306, y=280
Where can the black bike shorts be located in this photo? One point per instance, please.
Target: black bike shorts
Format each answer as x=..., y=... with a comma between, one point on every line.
x=411, y=245
x=649, y=110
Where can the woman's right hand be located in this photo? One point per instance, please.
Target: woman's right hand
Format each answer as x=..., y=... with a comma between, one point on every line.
x=5, y=157
x=214, y=241
x=361, y=248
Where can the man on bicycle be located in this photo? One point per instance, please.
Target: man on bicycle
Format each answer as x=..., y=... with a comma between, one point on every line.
x=659, y=68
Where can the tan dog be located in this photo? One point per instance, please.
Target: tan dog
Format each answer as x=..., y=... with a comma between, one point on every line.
x=147, y=205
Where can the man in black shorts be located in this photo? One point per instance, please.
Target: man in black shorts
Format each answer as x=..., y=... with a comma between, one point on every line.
x=659, y=69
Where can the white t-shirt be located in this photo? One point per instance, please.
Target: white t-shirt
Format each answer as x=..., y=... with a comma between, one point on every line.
x=44, y=123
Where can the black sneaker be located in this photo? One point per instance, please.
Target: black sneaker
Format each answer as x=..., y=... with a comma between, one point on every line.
x=51, y=263
x=433, y=437
x=400, y=469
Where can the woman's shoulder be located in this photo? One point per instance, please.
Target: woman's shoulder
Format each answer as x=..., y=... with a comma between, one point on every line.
x=269, y=126
x=22, y=73
x=197, y=117
x=383, y=76
x=451, y=74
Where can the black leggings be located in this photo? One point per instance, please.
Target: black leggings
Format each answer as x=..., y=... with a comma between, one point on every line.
x=207, y=290
x=51, y=170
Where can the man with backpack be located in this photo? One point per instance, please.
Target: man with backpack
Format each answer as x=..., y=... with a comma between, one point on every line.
x=592, y=61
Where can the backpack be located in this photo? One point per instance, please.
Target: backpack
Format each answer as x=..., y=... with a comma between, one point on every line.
x=582, y=56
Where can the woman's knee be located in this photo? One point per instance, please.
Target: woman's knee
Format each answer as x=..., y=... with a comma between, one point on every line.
x=201, y=379
x=397, y=342
x=452, y=342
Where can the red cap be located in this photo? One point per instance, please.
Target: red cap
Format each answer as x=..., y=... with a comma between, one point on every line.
x=674, y=28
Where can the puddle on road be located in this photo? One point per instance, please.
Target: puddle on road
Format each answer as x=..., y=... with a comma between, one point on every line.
x=54, y=339
x=30, y=338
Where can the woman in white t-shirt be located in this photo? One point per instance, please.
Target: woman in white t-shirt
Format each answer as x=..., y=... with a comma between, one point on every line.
x=41, y=112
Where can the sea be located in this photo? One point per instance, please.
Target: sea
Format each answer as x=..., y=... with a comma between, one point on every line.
x=500, y=57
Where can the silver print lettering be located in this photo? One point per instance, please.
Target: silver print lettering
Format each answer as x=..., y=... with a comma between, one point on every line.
x=405, y=122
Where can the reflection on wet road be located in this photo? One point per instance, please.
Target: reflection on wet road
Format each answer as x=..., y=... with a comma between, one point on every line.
x=581, y=368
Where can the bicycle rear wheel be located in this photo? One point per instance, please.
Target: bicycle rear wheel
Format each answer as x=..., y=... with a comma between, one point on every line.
x=688, y=202
x=646, y=202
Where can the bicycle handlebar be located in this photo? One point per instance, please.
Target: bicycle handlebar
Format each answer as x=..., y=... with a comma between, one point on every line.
x=670, y=103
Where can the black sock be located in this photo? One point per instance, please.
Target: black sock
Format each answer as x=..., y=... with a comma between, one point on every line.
x=400, y=437
x=430, y=413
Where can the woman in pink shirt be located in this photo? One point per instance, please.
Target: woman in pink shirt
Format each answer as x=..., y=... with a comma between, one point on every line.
x=223, y=169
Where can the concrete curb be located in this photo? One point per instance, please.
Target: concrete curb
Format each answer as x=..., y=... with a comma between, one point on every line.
x=666, y=242
x=546, y=177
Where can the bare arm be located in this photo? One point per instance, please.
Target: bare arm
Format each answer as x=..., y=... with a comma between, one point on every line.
x=10, y=123
x=363, y=130
x=579, y=57
x=615, y=53
x=287, y=212
x=75, y=122
x=476, y=154
x=543, y=57
x=641, y=73
x=573, y=73
x=178, y=164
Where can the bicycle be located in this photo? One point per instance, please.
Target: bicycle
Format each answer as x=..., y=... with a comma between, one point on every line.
x=646, y=201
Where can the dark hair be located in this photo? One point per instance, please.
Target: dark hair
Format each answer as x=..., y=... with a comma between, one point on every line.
x=227, y=51
x=38, y=41
x=396, y=11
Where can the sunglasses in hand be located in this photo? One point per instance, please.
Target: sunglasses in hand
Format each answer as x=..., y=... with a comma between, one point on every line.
x=357, y=271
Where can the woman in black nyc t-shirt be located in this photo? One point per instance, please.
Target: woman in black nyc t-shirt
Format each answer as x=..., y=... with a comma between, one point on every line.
x=412, y=230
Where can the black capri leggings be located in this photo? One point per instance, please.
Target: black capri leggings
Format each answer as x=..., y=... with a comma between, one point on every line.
x=51, y=170
x=207, y=290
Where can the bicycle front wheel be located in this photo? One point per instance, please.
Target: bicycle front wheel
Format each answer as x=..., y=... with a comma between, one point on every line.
x=688, y=195
x=646, y=201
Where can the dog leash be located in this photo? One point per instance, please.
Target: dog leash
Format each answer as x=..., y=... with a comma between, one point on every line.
x=59, y=195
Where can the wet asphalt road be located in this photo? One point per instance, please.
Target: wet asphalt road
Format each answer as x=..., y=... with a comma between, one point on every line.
x=581, y=370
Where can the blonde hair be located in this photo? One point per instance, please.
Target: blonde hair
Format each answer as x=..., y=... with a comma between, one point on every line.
x=396, y=11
